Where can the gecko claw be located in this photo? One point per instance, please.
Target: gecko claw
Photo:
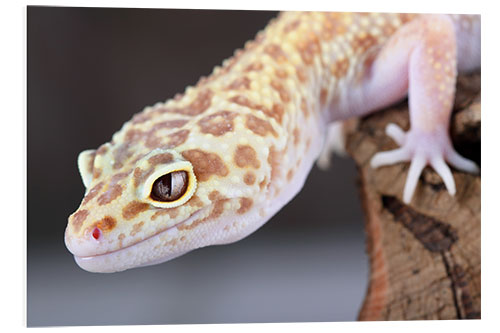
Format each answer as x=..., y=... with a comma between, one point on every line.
x=423, y=148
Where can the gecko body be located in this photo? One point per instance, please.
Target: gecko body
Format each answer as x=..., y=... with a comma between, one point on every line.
x=213, y=164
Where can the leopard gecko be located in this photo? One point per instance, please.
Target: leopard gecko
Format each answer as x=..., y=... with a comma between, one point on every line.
x=213, y=164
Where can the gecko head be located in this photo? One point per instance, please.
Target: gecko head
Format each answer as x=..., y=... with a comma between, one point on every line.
x=149, y=208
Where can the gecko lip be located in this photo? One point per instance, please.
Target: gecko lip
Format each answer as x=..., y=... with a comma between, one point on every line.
x=141, y=242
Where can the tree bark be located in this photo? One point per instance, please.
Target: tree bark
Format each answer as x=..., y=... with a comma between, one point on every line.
x=425, y=257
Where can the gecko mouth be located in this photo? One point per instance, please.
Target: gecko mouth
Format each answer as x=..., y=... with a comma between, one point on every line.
x=127, y=257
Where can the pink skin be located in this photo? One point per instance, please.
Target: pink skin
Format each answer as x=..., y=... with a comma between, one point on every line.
x=419, y=59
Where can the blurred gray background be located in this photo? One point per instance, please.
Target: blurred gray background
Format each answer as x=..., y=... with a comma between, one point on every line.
x=89, y=71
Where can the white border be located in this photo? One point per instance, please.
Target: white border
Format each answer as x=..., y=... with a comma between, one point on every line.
x=13, y=139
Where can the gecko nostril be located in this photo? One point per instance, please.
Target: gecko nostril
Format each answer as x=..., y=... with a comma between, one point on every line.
x=96, y=233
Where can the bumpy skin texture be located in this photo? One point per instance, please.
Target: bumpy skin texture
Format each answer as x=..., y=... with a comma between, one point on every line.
x=248, y=134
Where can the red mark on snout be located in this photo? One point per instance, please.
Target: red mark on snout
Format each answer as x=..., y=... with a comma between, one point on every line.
x=96, y=233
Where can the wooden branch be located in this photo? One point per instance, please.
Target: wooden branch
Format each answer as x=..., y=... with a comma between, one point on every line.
x=425, y=258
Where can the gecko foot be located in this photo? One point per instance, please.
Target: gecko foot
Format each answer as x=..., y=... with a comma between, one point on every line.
x=334, y=143
x=423, y=148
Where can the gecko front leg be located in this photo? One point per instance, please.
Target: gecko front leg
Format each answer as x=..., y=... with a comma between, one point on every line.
x=422, y=55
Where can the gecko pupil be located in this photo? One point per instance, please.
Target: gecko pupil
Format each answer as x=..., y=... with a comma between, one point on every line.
x=170, y=187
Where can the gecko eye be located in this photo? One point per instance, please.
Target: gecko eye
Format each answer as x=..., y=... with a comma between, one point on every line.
x=170, y=180
x=170, y=187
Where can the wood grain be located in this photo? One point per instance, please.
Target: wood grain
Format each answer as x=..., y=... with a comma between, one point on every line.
x=425, y=258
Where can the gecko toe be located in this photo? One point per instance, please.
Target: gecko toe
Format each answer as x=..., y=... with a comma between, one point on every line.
x=461, y=163
x=444, y=172
x=417, y=165
x=396, y=133
x=390, y=157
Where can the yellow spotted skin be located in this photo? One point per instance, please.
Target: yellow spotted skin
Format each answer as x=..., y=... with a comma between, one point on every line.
x=247, y=135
